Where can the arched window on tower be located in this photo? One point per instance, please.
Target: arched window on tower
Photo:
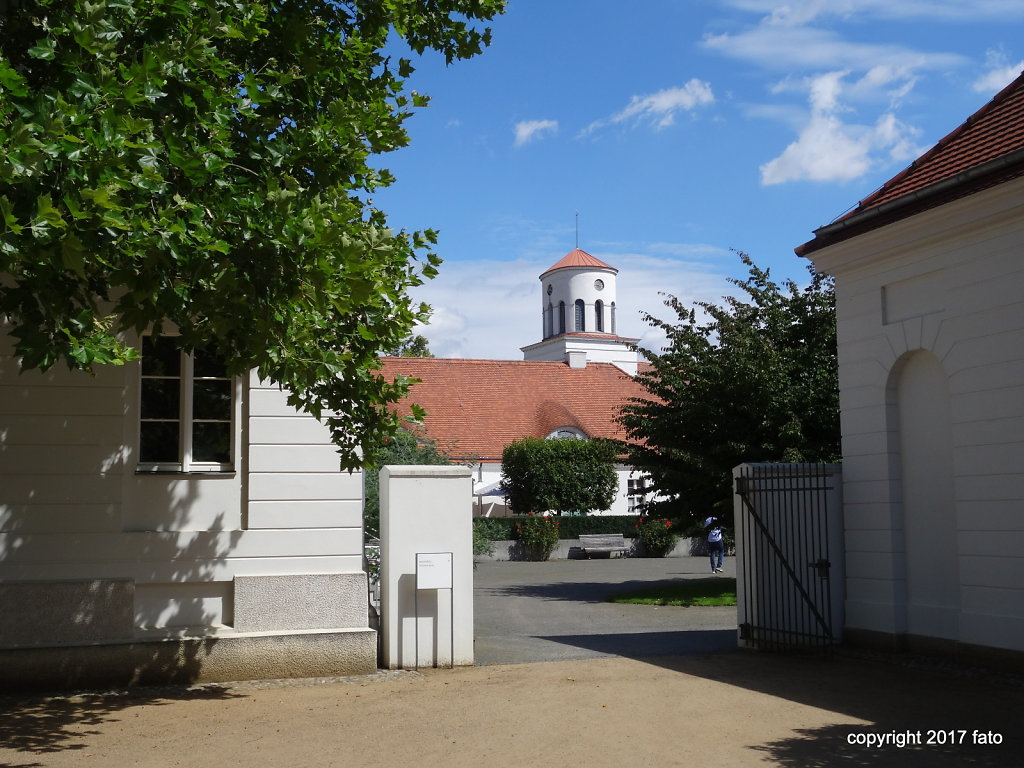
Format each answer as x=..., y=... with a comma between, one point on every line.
x=549, y=321
x=561, y=317
x=599, y=316
x=581, y=326
x=613, y=317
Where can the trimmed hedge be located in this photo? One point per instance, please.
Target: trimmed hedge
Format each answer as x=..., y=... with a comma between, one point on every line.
x=502, y=528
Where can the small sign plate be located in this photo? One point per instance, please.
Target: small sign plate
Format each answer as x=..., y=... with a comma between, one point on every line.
x=434, y=570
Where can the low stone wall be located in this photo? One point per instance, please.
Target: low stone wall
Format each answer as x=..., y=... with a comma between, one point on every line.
x=569, y=549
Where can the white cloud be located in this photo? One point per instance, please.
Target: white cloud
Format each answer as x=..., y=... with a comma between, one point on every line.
x=888, y=80
x=531, y=130
x=1000, y=73
x=785, y=47
x=829, y=149
x=802, y=11
x=489, y=309
x=660, y=108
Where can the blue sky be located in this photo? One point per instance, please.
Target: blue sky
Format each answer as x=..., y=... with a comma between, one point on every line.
x=677, y=130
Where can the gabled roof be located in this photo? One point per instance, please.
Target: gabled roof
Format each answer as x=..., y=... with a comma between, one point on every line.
x=477, y=407
x=578, y=258
x=988, y=149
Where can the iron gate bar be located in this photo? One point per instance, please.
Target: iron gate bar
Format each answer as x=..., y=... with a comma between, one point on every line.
x=741, y=491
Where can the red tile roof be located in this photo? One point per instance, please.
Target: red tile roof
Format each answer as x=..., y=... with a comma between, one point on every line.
x=476, y=407
x=988, y=149
x=578, y=258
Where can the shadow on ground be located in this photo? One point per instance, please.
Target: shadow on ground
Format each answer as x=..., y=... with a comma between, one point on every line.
x=41, y=725
x=579, y=591
x=641, y=645
x=928, y=712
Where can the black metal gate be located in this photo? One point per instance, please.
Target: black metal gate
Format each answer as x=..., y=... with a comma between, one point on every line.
x=786, y=519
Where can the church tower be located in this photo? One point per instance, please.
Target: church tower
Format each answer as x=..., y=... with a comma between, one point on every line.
x=578, y=315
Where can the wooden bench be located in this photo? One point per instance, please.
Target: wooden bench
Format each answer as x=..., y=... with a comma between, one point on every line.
x=602, y=542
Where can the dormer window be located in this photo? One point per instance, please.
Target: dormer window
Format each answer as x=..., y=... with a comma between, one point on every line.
x=566, y=433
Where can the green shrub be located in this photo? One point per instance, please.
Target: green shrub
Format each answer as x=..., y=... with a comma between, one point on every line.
x=503, y=528
x=493, y=528
x=538, y=535
x=657, y=535
x=482, y=544
x=572, y=527
x=562, y=475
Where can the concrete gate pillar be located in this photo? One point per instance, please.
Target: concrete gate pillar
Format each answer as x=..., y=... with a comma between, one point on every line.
x=426, y=547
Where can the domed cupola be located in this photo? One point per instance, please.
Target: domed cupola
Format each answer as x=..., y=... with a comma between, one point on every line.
x=578, y=296
x=578, y=309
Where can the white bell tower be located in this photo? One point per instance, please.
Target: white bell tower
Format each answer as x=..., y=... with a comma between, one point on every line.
x=578, y=315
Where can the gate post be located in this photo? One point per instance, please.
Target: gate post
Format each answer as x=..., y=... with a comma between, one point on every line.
x=426, y=528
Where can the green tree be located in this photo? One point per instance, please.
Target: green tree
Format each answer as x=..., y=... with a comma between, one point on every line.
x=403, y=448
x=754, y=379
x=559, y=475
x=202, y=167
x=414, y=346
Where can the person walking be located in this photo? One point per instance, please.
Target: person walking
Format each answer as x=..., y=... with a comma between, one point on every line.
x=716, y=544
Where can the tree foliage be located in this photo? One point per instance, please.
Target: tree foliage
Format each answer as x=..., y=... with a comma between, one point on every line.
x=414, y=346
x=202, y=167
x=754, y=379
x=559, y=475
x=403, y=448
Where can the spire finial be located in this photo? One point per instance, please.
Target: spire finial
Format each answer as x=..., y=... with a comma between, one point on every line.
x=577, y=229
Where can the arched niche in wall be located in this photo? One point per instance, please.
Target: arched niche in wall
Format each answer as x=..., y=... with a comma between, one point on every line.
x=919, y=408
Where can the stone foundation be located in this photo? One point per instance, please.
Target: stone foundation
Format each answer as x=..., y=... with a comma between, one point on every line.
x=191, y=660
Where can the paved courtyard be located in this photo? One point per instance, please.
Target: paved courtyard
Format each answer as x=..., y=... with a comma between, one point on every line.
x=556, y=610
x=607, y=695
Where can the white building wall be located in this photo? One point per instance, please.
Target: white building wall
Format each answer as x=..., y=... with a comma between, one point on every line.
x=590, y=350
x=949, y=282
x=166, y=554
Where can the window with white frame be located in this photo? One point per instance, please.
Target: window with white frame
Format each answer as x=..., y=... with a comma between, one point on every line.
x=186, y=417
x=636, y=490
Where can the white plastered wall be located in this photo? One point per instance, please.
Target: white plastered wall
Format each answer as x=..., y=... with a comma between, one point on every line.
x=273, y=546
x=947, y=283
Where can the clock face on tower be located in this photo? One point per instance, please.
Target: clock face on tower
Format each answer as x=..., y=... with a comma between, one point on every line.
x=599, y=285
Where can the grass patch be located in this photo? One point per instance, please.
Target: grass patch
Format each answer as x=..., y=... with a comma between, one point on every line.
x=717, y=591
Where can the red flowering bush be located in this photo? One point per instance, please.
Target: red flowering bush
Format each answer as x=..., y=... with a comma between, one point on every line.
x=538, y=535
x=657, y=535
